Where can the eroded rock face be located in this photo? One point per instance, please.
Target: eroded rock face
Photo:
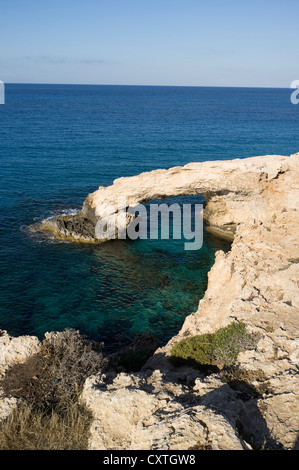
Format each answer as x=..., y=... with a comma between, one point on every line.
x=140, y=412
x=236, y=191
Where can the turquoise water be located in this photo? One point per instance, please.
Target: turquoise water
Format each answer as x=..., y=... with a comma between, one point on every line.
x=58, y=143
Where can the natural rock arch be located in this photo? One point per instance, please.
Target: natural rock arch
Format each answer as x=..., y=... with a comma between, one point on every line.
x=235, y=191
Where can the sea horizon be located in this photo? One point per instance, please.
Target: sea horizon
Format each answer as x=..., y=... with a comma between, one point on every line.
x=148, y=85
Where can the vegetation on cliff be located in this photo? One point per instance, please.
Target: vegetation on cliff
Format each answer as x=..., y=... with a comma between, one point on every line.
x=219, y=349
x=49, y=415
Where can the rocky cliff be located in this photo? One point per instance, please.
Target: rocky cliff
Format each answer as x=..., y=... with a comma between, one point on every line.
x=255, y=202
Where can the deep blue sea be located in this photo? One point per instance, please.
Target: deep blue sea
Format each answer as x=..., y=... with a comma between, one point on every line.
x=60, y=142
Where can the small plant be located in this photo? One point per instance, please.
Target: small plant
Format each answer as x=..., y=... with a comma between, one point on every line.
x=219, y=349
x=48, y=385
x=269, y=328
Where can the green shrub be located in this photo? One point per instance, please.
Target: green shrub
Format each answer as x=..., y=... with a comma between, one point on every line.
x=218, y=349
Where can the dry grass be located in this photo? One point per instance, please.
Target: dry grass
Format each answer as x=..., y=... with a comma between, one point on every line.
x=28, y=428
x=48, y=385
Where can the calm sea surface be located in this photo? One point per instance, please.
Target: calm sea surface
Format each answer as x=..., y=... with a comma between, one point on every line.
x=60, y=142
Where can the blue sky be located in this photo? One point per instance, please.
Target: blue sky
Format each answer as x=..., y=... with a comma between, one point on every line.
x=150, y=42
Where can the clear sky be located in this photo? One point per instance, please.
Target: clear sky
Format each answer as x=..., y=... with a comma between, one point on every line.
x=150, y=42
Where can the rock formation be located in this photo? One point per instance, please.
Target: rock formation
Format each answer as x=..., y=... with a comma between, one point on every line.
x=236, y=191
x=254, y=201
x=14, y=351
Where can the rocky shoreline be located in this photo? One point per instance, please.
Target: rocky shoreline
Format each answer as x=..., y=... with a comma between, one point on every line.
x=227, y=186
x=255, y=201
